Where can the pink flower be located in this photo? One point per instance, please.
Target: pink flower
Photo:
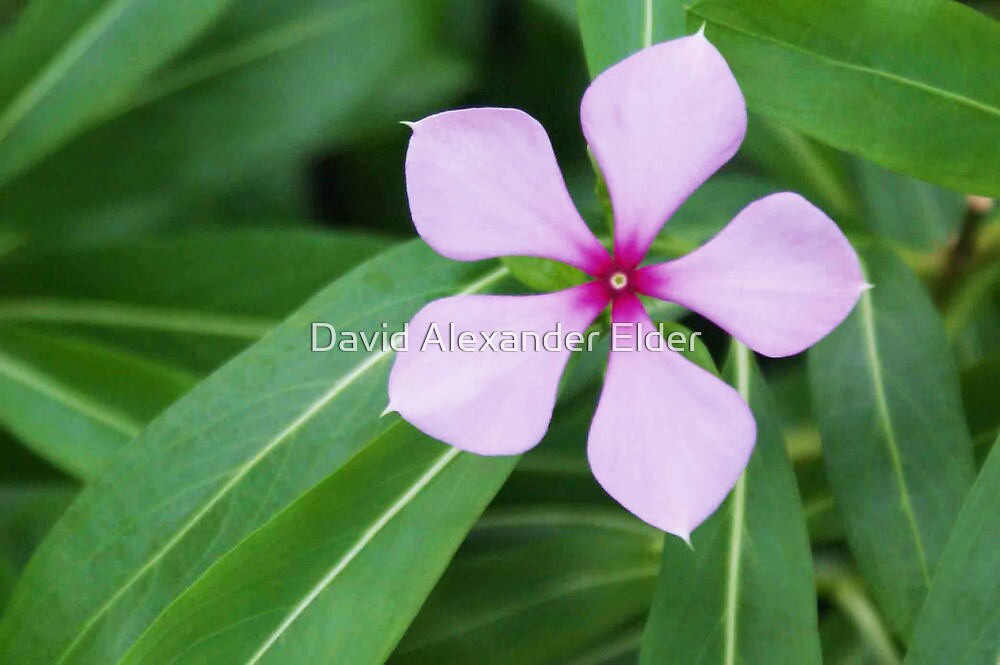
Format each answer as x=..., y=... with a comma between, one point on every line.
x=668, y=439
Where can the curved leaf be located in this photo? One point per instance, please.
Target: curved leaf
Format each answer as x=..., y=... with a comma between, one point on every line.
x=896, y=447
x=226, y=458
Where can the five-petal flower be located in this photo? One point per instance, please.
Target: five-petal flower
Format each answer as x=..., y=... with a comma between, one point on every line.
x=668, y=439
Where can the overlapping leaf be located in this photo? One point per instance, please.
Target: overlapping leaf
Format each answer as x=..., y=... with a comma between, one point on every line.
x=95, y=343
x=896, y=448
x=220, y=463
x=337, y=576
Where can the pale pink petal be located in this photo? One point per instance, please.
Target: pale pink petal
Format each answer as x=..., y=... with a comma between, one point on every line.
x=484, y=183
x=486, y=401
x=669, y=440
x=659, y=124
x=779, y=277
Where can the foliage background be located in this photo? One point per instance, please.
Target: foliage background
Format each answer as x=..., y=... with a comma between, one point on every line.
x=184, y=185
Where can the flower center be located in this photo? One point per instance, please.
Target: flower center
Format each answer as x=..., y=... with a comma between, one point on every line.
x=618, y=281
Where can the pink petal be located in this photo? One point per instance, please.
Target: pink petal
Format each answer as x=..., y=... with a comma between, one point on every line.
x=659, y=124
x=484, y=183
x=488, y=402
x=669, y=440
x=779, y=277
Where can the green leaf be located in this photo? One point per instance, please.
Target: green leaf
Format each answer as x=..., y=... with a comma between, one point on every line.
x=75, y=402
x=797, y=162
x=790, y=388
x=748, y=575
x=272, y=82
x=231, y=454
x=870, y=79
x=67, y=64
x=556, y=470
x=896, y=447
x=907, y=211
x=612, y=31
x=960, y=623
x=191, y=302
x=688, y=343
x=531, y=585
x=543, y=274
x=338, y=575
x=710, y=208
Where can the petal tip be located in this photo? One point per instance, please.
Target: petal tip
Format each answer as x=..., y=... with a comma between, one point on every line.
x=866, y=286
x=701, y=31
x=685, y=536
x=411, y=125
x=388, y=409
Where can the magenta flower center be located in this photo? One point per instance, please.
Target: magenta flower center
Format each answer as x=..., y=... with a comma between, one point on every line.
x=618, y=281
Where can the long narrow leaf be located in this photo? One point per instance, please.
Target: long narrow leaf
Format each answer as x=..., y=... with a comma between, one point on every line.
x=871, y=79
x=337, y=576
x=896, y=448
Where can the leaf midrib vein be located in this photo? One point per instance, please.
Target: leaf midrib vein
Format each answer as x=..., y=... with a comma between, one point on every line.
x=555, y=517
x=982, y=107
x=128, y=315
x=575, y=586
x=737, y=515
x=885, y=419
x=647, y=28
x=338, y=387
x=442, y=462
